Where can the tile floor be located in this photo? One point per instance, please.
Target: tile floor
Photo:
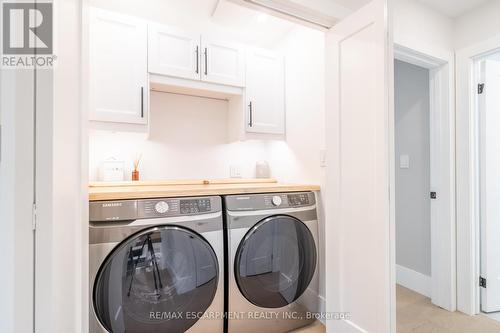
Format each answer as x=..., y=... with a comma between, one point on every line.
x=416, y=314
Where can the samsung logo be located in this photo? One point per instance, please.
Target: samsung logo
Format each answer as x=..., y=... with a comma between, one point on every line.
x=112, y=204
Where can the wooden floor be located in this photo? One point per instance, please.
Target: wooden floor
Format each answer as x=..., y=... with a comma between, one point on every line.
x=416, y=314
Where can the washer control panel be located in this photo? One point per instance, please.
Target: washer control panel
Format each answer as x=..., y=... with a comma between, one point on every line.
x=298, y=199
x=125, y=210
x=195, y=206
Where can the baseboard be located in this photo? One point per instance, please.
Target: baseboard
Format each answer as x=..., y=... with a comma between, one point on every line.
x=413, y=280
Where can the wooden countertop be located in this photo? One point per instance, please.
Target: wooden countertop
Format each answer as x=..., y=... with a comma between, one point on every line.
x=184, y=188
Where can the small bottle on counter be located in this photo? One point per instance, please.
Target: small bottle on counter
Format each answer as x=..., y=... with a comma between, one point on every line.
x=135, y=172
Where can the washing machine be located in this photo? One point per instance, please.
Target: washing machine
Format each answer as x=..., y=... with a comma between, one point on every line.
x=273, y=261
x=157, y=265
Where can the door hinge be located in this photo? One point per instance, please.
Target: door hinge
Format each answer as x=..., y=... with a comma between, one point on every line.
x=480, y=88
x=33, y=217
x=433, y=195
x=482, y=282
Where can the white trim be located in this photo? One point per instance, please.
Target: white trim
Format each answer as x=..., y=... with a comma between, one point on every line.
x=414, y=280
x=84, y=156
x=442, y=123
x=295, y=12
x=414, y=57
x=468, y=294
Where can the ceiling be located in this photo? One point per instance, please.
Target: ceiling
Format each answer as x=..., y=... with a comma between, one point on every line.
x=453, y=8
x=251, y=26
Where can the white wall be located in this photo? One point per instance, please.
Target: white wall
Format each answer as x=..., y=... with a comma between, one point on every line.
x=185, y=131
x=421, y=28
x=412, y=136
x=477, y=25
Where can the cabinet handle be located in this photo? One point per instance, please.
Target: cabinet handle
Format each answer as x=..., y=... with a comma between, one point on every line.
x=197, y=59
x=206, y=61
x=250, y=123
x=142, y=102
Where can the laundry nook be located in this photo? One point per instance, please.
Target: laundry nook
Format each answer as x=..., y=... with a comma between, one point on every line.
x=249, y=166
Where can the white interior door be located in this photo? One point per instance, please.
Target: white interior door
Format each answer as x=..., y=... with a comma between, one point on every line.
x=223, y=62
x=489, y=120
x=360, y=147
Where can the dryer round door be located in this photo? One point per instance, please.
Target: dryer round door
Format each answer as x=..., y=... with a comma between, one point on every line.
x=275, y=262
x=158, y=280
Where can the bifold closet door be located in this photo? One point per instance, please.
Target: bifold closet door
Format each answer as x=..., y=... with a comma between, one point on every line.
x=359, y=215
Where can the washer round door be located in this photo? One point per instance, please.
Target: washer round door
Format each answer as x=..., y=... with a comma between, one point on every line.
x=275, y=262
x=159, y=280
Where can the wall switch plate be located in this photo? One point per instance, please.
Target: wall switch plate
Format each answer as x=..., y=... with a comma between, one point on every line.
x=404, y=161
x=234, y=171
x=322, y=158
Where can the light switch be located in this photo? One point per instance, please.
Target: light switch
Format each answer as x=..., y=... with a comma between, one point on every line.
x=404, y=161
x=322, y=158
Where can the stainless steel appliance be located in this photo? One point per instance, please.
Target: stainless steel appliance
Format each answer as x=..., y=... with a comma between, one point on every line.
x=273, y=261
x=156, y=265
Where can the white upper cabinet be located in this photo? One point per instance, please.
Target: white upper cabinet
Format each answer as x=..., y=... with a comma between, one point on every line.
x=223, y=63
x=118, y=76
x=265, y=92
x=173, y=52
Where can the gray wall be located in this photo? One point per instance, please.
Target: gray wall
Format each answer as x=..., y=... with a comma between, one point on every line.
x=413, y=236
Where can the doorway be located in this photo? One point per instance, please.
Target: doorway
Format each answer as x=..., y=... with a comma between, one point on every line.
x=424, y=175
x=413, y=177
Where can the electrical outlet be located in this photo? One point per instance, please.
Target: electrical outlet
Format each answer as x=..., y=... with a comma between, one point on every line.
x=234, y=171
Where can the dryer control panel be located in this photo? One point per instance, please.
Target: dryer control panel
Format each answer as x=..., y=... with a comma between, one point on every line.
x=124, y=210
x=269, y=201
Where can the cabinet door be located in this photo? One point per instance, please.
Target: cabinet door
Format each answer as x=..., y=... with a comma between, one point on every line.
x=222, y=62
x=173, y=52
x=118, y=68
x=265, y=92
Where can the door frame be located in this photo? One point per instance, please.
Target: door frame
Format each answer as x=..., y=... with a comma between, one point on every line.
x=442, y=156
x=468, y=235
